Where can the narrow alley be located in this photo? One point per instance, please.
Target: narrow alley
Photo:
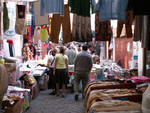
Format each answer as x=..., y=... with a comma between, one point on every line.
x=46, y=103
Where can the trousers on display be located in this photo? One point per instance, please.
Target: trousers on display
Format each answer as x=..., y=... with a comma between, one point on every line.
x=57, y=20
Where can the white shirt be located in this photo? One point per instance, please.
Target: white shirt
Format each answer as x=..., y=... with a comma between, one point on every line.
x=51, y=58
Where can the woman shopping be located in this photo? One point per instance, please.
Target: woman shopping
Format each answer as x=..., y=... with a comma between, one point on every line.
x=61, y=70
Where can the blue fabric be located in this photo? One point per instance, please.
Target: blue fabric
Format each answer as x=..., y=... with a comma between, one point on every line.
x=111, y=9
x=33, y=20
x=51, y=6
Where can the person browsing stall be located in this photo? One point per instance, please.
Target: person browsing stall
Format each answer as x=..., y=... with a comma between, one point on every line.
x=50, y=65
x=82, y=67
x=61, y=70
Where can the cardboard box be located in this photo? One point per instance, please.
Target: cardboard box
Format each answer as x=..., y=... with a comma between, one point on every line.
x=16, y=107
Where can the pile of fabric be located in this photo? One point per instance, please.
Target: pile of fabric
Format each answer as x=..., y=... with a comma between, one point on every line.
x=111, y=97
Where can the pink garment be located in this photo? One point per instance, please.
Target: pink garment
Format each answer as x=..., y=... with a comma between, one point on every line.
x=140, y=79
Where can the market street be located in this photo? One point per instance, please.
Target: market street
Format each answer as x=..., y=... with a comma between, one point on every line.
x=45, y=103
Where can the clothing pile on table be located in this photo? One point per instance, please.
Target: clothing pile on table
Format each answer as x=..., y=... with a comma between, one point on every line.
x=112, y=97
x=108, y=69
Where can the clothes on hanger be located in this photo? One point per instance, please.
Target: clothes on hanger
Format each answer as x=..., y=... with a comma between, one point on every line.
x=139, y=7
x=51, y=6
x=33, y=20
x=39, y=20
x=128, y=24
x=57, y=20
x=81, y=31
x=20, y=26
x=142, y=30
x=111, y=9
x=36, y=36
x=82, y=7
x=103, y=31
x=43, y=34
x=5, y=18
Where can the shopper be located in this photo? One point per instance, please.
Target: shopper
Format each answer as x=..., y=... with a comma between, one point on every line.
x=71, y=53
x=61, y=70
x=82, y=66
x=90, y=49
x=50, y=65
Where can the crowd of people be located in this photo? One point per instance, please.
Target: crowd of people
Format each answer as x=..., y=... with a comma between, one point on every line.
x=59, y=58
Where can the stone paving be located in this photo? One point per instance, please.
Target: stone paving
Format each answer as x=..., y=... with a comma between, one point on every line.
x=45, y=103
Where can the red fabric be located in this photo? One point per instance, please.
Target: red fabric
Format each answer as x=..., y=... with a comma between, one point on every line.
x=10, y=41
x=46, y=45
x=140, y=79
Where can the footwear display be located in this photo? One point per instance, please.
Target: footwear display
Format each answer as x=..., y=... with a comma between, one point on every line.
x=76, y=97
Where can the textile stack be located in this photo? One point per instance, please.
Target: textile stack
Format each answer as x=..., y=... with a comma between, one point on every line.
x=112, y=97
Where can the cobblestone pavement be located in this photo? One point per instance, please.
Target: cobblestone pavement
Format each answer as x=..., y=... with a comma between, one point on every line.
x=46, y=103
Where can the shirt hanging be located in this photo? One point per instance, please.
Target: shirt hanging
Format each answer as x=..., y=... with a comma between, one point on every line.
x=43, y=34
x=111, y=9
x=51, y=6
x=39, y=20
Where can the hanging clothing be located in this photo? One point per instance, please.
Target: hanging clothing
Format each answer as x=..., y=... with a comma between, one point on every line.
x=111, y=9
x=103, y=31
x=36, y=36
x=20, y=26
x=145, y=31
x=142, y=30
x=51, y=6
x=43, y=34
x=29, y=31
x=57, y=20
x=39, y=20
x=139, y=7
x=82, y=7
x=5, y=18
x=81, y=31
x=138, y=28
x=33, y=20
x=128, y=24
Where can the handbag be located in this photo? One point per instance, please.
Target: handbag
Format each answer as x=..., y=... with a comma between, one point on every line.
x=21, y=24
